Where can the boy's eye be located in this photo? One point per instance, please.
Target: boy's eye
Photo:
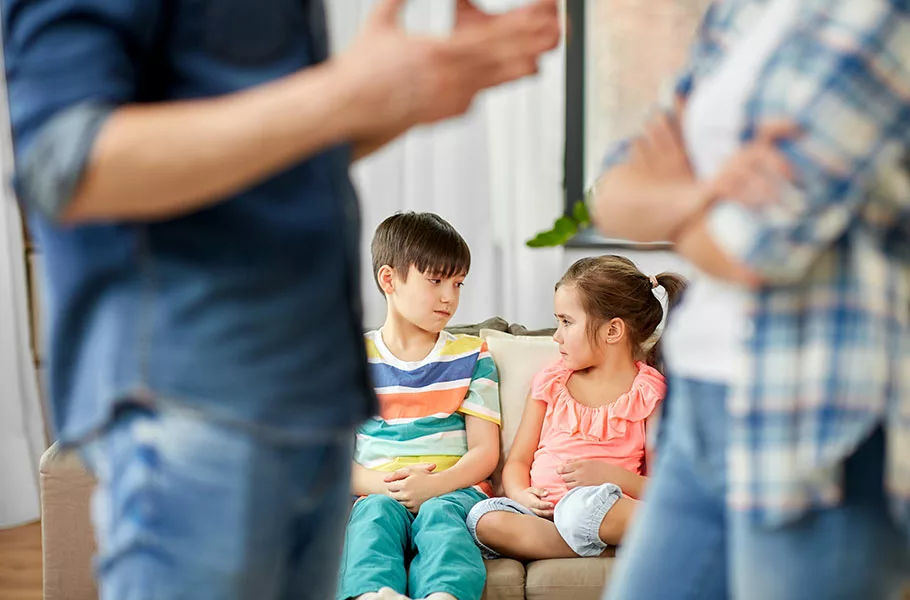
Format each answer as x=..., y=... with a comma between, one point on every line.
x=435, y=281
x=460, y=284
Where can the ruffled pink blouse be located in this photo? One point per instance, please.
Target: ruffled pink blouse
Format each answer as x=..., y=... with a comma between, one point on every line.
x=613, y=433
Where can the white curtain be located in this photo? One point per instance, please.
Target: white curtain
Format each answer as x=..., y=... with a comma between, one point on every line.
x=495, y=174
x=22, y=438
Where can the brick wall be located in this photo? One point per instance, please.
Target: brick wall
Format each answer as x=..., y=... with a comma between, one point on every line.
x=634, y=48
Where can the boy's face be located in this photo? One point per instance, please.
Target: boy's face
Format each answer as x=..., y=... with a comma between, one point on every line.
x=426, y=300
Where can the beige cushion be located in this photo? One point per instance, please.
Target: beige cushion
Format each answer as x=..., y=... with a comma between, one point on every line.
x=66, y=529
x=518, y=359
x=575, y=578
x=505, y=580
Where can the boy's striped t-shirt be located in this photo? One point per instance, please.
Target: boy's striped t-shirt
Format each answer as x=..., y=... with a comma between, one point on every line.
x=422, y=404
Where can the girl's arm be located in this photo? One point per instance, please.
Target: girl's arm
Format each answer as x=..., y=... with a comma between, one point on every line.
x=516, y=474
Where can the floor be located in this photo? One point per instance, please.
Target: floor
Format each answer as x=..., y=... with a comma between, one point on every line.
x=20, y=563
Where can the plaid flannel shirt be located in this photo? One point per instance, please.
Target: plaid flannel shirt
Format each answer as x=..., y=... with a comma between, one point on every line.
x=828, y=359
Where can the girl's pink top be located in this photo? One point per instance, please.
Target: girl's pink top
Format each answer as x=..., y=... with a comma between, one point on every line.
x=614, y=433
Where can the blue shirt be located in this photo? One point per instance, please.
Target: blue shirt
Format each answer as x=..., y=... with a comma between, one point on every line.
x=247, y=311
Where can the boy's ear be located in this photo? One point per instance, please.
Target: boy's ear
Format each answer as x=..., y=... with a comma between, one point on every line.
x=385, y=277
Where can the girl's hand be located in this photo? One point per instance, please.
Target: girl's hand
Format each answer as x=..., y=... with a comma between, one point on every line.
x=581, y=473
x=412, y=486
x=753, y=176
x=534, y=499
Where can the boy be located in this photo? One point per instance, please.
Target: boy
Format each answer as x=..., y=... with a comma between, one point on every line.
x=422, y=464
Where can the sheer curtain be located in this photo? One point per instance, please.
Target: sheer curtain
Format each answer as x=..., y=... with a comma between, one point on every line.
x=495, y=174
x=21, y=424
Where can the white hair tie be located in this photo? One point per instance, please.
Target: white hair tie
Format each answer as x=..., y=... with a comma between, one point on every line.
x=654, y=282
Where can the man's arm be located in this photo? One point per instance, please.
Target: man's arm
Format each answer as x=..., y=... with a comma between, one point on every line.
x=86, y=152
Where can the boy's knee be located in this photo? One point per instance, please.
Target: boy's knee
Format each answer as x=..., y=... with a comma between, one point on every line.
x=377, y=504
x=441, y=507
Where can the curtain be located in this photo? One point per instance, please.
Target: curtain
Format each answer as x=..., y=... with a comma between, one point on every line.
x=494, y=174
x=22, y=437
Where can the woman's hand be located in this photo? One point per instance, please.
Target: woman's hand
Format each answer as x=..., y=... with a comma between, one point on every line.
x=660, y=152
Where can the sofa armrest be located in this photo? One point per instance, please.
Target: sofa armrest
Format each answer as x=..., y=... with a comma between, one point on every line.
x=67, y=538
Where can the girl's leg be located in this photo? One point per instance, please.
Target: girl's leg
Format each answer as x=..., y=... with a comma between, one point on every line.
x=374, y=547
x=592, y=518
x=498, y=533
x=523, y=537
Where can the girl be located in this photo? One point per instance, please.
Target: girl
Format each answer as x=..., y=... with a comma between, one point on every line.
x=576, y=469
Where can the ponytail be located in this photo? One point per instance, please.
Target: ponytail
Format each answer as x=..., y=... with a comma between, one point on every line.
x=674, y=285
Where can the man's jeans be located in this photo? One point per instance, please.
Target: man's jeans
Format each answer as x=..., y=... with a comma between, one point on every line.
x=186, y=508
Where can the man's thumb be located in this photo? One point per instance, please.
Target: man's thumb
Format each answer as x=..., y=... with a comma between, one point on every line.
x=386, y=13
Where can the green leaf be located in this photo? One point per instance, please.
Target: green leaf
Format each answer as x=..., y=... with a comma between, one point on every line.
x=565, y=226
x=580, y=214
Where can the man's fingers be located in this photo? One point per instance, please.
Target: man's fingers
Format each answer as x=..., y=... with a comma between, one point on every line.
x=386, y=13
x=546, y=514
x=539, y=492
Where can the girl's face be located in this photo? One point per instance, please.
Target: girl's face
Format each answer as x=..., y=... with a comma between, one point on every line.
x=572, y=331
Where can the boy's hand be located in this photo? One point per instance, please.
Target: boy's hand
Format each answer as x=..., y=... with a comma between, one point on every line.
x=534, y=499
x=412, y=486
x=581, y=473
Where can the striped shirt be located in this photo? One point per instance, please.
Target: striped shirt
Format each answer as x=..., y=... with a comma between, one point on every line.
x=828, y=359
x=422, y=404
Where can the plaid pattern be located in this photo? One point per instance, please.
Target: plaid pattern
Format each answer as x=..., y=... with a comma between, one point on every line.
x=829, y=357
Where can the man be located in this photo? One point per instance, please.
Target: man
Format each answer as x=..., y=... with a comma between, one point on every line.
x=185, y=165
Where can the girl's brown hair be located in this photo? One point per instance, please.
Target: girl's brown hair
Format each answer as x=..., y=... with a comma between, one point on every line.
x=612, y=287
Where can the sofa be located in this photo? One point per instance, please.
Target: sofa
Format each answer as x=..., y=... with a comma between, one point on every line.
x=66, y=488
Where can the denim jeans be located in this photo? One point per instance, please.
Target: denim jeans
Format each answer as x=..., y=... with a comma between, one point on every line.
x=186, y=508
x=684, y=543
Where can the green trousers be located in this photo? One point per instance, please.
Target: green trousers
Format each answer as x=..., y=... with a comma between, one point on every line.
x=382, y=534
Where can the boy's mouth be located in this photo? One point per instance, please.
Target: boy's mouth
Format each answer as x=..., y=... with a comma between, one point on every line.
x=443, y=313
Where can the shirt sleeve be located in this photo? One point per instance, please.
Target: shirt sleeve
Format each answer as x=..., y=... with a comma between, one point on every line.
x=69, y=65
x=703, y=47
x=482, y=399
x=841, y=75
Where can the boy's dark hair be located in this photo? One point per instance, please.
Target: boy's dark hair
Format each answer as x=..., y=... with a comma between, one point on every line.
x=612, y=287
x=424, y=240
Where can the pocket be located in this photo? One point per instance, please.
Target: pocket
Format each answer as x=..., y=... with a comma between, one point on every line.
x=252, y=32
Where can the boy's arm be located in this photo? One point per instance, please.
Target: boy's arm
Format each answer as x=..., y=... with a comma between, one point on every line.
x=479, y=461
x=365, y=481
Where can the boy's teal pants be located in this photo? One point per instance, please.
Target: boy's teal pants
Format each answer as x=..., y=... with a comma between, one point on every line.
x=382, y=533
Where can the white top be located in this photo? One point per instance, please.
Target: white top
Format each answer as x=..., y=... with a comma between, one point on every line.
x=706, y=335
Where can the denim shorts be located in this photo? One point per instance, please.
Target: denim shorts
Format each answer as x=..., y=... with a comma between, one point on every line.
x=577, y=517
x=188, y=508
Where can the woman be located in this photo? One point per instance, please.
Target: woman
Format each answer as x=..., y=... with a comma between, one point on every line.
x=779, y=175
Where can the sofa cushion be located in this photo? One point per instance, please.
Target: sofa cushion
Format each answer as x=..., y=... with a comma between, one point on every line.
x=518, y=359
x=575, y=578
x=505, y=580
x=67, y=536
